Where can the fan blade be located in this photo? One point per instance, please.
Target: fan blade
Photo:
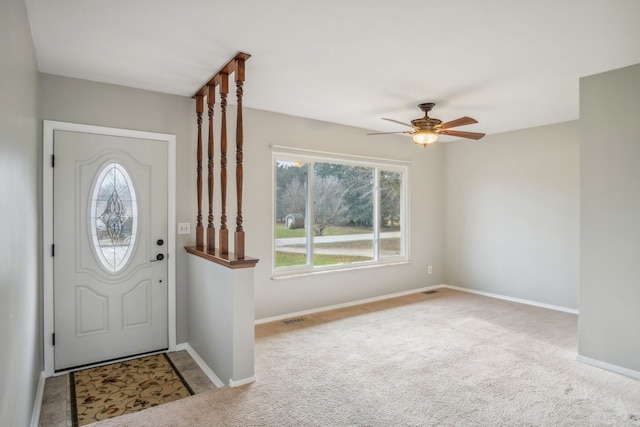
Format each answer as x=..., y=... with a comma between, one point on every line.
x=400, y=123
x=387, y=133
x=470, y=135
x=462, y=121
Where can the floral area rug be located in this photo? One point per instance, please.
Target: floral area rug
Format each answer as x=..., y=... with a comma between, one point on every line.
x=124, y=387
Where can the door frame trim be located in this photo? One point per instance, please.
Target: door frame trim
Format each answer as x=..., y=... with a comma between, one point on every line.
x=48, y=129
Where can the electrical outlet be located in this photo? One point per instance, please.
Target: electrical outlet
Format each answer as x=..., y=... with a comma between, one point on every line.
x=430, y=269
x=184, y=228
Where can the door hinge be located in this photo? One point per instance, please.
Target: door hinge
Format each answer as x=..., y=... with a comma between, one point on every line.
x=53, y=250
x=53, y=338
x=53, y=160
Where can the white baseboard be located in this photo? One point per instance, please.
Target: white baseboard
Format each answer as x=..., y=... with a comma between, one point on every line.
x=243, y=381
x=608, y=366
x=512, y=299
x=208, y=371
x=37, y=404
x=343, y=305
x=201, y=363
x=414, y=291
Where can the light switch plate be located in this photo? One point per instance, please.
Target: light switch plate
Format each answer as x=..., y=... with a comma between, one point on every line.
x=184, y=228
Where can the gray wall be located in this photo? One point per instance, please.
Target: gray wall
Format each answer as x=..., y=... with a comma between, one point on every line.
x=222, y=319
x=512, y=214
x=20, y=304
x=287, y=295
x=610, y=214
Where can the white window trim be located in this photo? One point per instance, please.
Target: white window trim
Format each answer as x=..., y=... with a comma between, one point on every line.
x=310, y=157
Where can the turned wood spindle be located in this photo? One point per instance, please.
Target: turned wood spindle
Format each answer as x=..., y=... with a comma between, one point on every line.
x=199, y=227
x=211, y=230
x=224, y=232
x=239, y=234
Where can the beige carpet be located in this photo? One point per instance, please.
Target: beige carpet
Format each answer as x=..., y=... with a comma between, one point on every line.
x=449, y=359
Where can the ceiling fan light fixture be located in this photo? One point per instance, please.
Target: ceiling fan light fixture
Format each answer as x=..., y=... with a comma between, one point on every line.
x=425, y=137
x=425, y=130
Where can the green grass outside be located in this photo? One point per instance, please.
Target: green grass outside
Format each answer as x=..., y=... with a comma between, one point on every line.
x=288, y=259
x=283, y=232
x=385, y=244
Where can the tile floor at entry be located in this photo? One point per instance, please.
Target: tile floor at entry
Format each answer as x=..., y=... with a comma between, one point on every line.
x=56, y=402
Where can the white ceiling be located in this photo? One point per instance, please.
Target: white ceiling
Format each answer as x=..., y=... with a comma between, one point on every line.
x=511, y=64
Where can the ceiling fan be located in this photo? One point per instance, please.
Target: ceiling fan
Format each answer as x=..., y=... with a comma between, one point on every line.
x=426, y=129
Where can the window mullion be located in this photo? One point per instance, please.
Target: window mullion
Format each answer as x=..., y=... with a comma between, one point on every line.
x=376, y=214
x=310, y=213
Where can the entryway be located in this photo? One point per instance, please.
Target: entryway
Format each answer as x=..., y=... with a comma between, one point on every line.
x=56, y=401
x=109, y=209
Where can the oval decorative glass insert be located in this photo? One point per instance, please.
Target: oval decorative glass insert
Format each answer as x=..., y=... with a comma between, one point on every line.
x=114, y=217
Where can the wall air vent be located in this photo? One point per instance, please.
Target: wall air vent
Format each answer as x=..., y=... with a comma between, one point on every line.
x=296, y=320
x=433, y=291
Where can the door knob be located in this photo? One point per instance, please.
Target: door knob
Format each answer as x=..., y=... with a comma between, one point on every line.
x=159, y=257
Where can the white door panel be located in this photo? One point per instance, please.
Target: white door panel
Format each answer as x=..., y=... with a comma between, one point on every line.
x=110, y=292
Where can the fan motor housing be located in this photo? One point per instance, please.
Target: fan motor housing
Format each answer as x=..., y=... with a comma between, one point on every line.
x=425, y=123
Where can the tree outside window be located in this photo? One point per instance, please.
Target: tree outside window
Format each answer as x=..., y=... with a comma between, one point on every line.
x=353, y=212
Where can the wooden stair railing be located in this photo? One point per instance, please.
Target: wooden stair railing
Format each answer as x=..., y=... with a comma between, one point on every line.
x=221, y=254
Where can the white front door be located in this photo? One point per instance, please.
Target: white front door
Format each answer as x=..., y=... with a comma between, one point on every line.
x=110, y=247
